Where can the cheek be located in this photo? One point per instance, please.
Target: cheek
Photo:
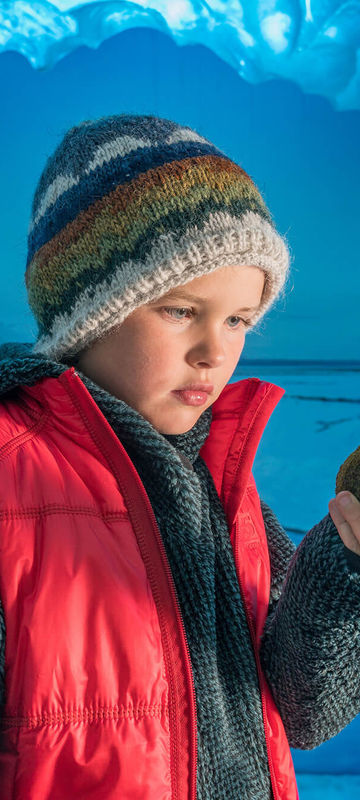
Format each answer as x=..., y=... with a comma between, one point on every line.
x=153, y=360
x=236, y=351
x=239, y=346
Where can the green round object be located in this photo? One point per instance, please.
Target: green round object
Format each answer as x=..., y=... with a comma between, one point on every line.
x=348, y=477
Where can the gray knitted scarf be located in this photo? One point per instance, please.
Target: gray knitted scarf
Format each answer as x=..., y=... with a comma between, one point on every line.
x=232, y=760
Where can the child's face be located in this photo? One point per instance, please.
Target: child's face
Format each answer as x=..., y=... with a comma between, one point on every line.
x=154, y=351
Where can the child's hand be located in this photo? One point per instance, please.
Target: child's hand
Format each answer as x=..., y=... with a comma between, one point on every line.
x=346, y=518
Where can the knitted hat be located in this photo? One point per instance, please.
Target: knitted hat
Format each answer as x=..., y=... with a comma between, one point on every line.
x=127, y=208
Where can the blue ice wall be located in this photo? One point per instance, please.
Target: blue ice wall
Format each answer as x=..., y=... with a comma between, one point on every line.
x=312, y=42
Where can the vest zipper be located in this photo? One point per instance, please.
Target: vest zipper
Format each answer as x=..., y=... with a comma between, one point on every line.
x=193, y=730
x=260, y=679
x=192, y=795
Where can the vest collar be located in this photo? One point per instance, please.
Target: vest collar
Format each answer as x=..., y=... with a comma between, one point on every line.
x=239, y=417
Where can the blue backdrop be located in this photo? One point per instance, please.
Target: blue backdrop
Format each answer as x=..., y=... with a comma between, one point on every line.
x=301, y=149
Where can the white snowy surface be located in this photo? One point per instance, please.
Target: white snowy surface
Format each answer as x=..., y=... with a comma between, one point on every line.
x=328, y=787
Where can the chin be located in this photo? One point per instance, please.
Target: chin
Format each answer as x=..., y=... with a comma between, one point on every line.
x=176, y=430
x=178, y=423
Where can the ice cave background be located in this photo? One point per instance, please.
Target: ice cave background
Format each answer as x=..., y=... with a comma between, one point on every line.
x=276, y=86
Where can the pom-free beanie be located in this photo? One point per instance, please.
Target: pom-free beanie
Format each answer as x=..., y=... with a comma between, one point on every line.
x=127, y=208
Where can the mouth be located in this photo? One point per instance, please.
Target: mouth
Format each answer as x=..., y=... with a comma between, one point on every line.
x=202, y=388
x=191, y=397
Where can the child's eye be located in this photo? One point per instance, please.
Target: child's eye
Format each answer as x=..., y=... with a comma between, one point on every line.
x=170, y=309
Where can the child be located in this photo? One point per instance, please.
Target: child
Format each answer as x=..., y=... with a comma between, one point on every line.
x=164, y=639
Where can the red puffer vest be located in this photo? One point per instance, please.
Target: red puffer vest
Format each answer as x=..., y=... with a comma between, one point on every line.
x=99, y=692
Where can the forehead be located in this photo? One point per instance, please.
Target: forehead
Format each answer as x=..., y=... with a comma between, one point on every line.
x=229, y=285
x=177, y=294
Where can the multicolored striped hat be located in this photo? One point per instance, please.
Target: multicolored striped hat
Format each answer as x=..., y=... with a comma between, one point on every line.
x=127, y=208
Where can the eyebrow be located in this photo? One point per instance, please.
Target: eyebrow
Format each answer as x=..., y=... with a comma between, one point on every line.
x=194, y=299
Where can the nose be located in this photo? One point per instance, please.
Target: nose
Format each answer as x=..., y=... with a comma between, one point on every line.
x=211, y=351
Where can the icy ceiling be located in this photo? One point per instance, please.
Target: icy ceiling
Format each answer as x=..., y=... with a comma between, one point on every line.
x=315, y=43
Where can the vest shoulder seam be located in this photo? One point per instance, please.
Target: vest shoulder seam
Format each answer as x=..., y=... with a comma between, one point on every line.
x=22, y=438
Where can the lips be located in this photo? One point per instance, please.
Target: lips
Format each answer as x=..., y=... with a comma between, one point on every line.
x=197, y=387
x=192, y=397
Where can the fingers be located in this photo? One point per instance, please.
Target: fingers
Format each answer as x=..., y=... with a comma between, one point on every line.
x=346, y=518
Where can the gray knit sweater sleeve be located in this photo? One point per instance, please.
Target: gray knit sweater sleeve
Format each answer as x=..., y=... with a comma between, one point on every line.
x=310, y=647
